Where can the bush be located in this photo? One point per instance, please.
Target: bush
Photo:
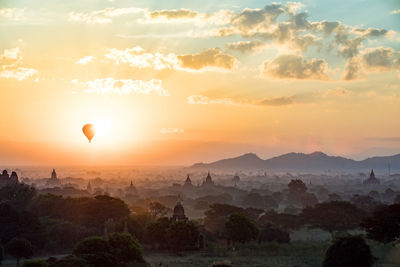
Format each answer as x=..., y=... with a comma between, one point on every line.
x=20, y=248
x=272, y=234
x=240, y=228
x=91, y=245
x=1, y=254
x=70, y=261
x=348, y=252
x=221, y=264
x=125, y=248
x=35, y=263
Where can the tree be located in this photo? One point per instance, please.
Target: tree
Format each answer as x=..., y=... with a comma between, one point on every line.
x=333, y=216
x=157, y=231
x=70, y=261
x=182, y=235
x=240, y=228
x=17, y=195
x=1, y=254
x=348, y=252
x=19, y=248
x=125, y=248
x=297, y=186
x=158, y=210
x=35, y=263
x=282, y=220
x=217, y=215
x=96, y=251
x=253, y=200
x=384, y=224
x=270, y=233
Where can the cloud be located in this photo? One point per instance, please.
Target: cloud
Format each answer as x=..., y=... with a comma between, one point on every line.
x=85, y=60
x=210, y=58
x=205, y=100
x=125, y=86
x=295, y=67
x=247, y=46
x=15, y=14
x=395, y=12
x=103, y=16
x=173, y=14
x=136, y=57
x=184, y=15
x=12, y=54
x=172, y=131
x=377, y=59
x=19, y=73
x=278, y=101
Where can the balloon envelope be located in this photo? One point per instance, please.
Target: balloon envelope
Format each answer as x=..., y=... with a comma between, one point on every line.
x=88, y=131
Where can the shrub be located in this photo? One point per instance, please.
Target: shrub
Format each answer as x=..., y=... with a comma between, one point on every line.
x=221, y=264
x=348, y=252
x=35, y=263
x=272, y=234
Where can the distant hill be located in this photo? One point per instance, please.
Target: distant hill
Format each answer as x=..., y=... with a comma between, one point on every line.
x=316, y=161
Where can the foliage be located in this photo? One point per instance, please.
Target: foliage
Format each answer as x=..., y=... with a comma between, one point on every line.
x=221, y=264
x=253, y=200
x=70, y=261
x=19, y=248
x=182, y=235
x=35, y=263
x=17, y=195
x=348, y=252
x=117, y=251
x=91, y=245
x=240, y=228
x=89, y=212
x=157, y=231
x=333, y=216
x=158, y=210
x=1, y=254
x=125, y=248
x=384, y=223
x=216, y=216
x=283, y=220
x=297, y=186
x=272, y=234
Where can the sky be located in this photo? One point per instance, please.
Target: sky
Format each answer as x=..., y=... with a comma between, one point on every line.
x=179, y=82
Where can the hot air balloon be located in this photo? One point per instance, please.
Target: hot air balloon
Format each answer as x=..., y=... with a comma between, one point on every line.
x=88, y=131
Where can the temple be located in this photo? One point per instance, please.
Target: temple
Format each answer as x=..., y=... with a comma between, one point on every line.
x=179, y=212
x=188, y=182
x=53, y=181
x=372, y=179
x=131, y=189
x=208, y=180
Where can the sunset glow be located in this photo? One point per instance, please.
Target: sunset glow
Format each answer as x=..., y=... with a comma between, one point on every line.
x=180, y=82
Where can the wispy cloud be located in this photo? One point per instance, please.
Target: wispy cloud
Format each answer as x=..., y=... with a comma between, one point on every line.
x=172, y=131
x=15, y=14
x=395, y=12
x=205, y=100
x=85, y=60
x=19, y=73
x=103, y=16
x=125, y=86
x=210, y=59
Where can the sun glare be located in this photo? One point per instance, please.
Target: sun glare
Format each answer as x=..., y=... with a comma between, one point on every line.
x=102, y=126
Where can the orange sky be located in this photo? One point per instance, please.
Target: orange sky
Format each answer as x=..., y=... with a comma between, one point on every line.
x=188, y=82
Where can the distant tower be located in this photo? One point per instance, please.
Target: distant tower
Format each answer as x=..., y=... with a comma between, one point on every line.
x=131, y=189
x=188, y=182
x=54, y=174
x=372, y=179
x=208, y=180
x=89, y=187
x=14, y=178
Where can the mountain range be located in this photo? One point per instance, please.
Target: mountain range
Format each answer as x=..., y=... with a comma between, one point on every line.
x=316, y=161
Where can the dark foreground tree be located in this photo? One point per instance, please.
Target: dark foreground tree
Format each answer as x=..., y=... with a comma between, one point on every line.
x=157, y=231
x=1, y=254
x=384, y=224
x=348, y=252
x=333, y=216
x=125, y=248
x=240, y=228
x=70, y=261
x=182, y=235
x=19, y=248
x=269, y=233
x=35, y=263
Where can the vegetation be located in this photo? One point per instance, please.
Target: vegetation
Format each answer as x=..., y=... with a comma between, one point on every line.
x=19, y=248
x=348, y=252
x=35, y=263
x=240, y=228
